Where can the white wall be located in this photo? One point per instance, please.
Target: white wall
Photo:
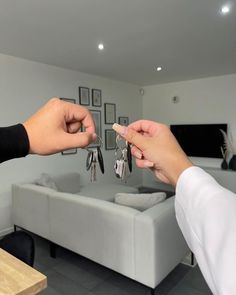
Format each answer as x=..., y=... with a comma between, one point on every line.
x=210, y=100
x=24, y=87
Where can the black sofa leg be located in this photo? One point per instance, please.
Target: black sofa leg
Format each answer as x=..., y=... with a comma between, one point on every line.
x=192, y=259
x=53, y=250
x=152, y=291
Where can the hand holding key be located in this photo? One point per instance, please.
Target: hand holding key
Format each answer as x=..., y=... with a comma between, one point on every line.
x=155, y=147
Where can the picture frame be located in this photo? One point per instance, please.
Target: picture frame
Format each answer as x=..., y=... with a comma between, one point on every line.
x=71, y=100
x=110, y=113
x=124, y=121
x=110, y=139
x=84, y=96
x=96, y=114
x=96, y=97
x=69, y=151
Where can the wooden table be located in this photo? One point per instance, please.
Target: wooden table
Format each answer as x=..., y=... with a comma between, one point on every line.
x=16, y=277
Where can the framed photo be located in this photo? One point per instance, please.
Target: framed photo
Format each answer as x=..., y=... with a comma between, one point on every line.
x=110, y=139
x=123, y=121
x=98, y=126
x=96, y=97
x=84, y=97
x=72, y=100
x=110, y=113
x=70, y=151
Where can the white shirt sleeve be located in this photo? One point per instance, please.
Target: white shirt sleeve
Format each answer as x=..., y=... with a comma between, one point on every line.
x=206, y=214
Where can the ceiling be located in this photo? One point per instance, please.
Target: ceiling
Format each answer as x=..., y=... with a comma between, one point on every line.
x=188, y=38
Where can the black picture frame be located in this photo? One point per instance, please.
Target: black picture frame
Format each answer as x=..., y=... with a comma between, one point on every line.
x=123, y=121
x=96, y=97
x=98, y=127
x=71, y=100
x=69, y=151
x=84, y=96
x=110, y=139
x=110, y=113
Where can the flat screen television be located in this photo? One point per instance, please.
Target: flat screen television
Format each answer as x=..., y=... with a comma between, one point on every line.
x=200, y=140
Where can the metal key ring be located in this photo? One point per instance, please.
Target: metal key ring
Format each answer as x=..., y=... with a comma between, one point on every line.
x=121, y=139
x=100, y=144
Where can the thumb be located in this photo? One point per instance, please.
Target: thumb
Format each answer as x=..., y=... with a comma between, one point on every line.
x=132, y=136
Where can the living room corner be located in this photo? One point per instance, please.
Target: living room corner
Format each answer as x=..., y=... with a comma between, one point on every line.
x=75, y=228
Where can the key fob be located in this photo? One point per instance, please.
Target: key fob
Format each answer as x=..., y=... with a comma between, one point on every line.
x=89, y=160
x=129, y=157
x=100, y=160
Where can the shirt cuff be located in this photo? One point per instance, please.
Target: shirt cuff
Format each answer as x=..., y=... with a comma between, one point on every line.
x=14, y=142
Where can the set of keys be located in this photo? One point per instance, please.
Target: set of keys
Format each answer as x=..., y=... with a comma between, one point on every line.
x=94, y=157
x=123, y=163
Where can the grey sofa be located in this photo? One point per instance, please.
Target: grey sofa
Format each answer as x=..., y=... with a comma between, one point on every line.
x=144, y=246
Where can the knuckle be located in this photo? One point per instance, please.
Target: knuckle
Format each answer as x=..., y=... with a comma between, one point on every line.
x=55, y=100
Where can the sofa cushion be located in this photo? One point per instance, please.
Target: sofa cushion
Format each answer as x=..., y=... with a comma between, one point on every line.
x=46, y=181
x=68, y=182
x=105, y=192
x=140, y=201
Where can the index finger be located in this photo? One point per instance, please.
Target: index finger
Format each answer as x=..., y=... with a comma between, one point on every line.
x=132, y=136
x=150, y=128
x=81, y=114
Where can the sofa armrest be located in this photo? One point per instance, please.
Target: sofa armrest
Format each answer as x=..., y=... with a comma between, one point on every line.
x=30, y=208
x=159, y=243
x=99, y=230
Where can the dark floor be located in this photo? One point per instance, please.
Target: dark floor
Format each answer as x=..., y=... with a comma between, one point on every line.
x=72, y=274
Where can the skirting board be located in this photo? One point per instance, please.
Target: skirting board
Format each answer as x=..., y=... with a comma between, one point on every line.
x=6, y=231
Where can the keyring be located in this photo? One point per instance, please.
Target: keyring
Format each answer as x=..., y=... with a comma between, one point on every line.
x=93, y=157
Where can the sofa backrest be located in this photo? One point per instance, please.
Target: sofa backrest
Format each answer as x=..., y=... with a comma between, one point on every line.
x=105, y=192
x=68, y=182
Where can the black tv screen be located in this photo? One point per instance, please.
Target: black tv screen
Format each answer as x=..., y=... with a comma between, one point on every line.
x=200, y=140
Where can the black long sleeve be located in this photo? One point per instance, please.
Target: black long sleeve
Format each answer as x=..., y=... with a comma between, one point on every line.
x=14, y=142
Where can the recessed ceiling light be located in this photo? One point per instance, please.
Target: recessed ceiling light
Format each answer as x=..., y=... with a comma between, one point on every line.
x=225, y=9
x=159, y=69
x=100, y=46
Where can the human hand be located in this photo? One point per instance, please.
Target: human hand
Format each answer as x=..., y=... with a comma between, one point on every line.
x=155, y=147
x=56, y=127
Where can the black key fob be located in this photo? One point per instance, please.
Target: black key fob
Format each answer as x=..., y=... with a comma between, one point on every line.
x=129, y=157
x=100, y=159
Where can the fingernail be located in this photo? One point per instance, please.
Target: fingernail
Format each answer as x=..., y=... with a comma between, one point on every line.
x=119, y=129
x=138, y=155
x=94, y=136
x=148, y=164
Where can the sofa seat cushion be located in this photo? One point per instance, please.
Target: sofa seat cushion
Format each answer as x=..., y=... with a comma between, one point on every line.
x=140, y=201
x=105, y=192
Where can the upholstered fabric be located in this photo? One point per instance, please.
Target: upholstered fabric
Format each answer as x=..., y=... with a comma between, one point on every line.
x=140, y=201
x=159, y=243
x=96, y=229
x=68, y=182
x=46, y=181
x=30, y=208
x=105, y=192
x=144, y=246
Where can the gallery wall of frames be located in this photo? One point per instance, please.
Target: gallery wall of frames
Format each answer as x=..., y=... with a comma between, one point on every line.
x=102, y=112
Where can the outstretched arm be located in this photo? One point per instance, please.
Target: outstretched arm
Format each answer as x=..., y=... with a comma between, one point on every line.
x=55, y=127
x=205, y=211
